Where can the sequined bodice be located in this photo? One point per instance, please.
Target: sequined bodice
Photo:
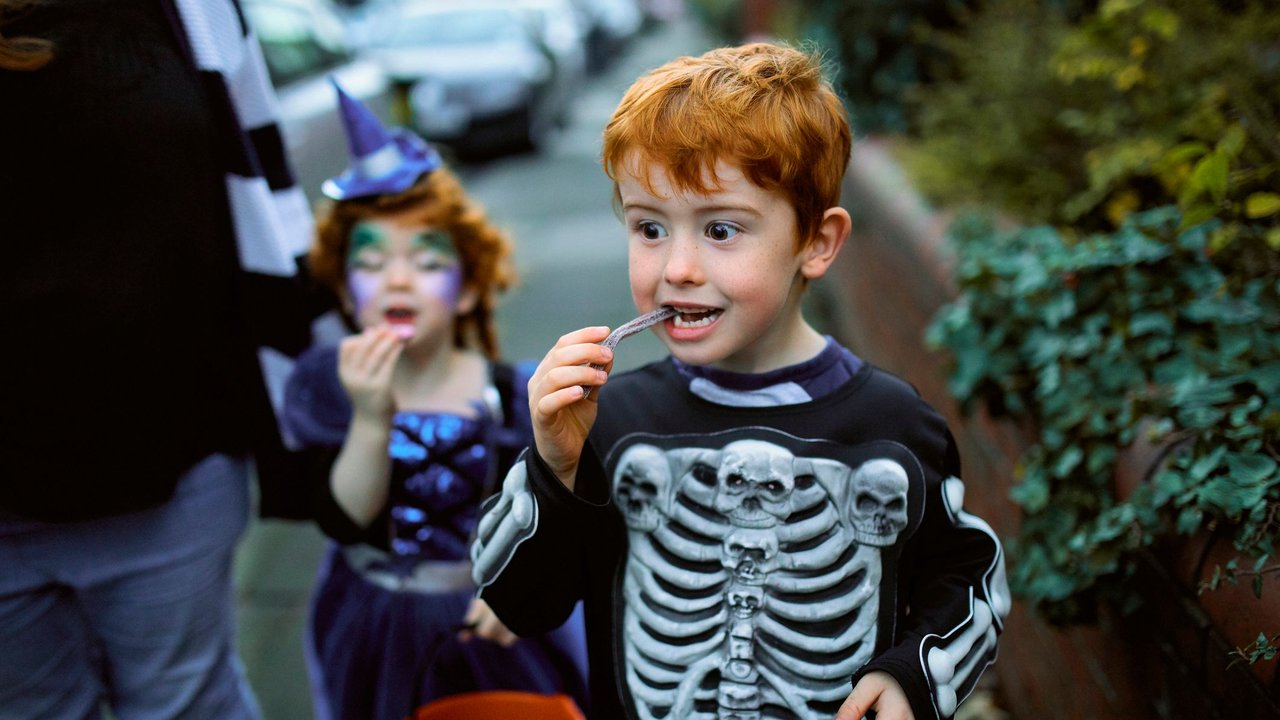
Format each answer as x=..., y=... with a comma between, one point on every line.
x=440, y=464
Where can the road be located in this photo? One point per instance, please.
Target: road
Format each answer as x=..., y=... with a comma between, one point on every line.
x=571, y=256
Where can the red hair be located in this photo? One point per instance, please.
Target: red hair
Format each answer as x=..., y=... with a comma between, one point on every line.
x=438, y=201
x=765, y=108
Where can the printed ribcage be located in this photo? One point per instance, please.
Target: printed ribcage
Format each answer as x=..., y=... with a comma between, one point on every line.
x=725, y=621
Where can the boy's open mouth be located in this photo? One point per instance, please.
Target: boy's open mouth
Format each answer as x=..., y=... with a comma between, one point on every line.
x=695, y=318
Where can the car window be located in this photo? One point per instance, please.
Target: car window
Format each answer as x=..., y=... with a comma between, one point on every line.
x=296, y=42
x=455, y=28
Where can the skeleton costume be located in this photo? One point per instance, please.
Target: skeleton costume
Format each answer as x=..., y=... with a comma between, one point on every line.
x=751, y=560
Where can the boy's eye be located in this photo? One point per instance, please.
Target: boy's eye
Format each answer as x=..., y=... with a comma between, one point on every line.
x=650, y=230
x=720, y=231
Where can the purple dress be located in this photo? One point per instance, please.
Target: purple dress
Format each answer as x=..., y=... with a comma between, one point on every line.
x=386, y=609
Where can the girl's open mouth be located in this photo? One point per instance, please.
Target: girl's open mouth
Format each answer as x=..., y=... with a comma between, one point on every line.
x=399, y=316
x=401, y=320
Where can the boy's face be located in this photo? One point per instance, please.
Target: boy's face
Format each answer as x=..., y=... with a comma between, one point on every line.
x=405, y=275
x=727, y=260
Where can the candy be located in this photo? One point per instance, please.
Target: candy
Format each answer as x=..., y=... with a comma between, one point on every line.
x=628, y=329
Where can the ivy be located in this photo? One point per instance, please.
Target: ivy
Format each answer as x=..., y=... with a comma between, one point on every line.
x=1139, y=140
x=1103, y=340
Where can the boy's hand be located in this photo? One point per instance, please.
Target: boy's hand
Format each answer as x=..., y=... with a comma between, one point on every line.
x=482, y=622
x=561, y=418
x=877, y=691
x=365, y=364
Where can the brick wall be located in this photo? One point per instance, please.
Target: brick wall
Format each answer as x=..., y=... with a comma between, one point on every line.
x=1166, y=661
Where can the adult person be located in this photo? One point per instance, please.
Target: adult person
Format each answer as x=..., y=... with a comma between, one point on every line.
x=152, y=225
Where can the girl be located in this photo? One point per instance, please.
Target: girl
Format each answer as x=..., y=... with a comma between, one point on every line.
x=409, y=423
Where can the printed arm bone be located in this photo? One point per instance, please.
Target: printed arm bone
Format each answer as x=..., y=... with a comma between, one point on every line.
x=950, y=665
x=504, y=523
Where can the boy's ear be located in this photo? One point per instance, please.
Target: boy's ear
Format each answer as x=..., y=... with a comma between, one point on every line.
x=832, y=232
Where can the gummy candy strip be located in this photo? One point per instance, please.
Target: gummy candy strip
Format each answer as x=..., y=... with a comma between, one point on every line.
x=628, y=329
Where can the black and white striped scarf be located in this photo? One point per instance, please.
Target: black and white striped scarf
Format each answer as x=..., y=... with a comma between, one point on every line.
x=270, y=214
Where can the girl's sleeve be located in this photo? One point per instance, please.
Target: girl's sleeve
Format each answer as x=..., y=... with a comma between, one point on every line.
x=315, y=417
x=957, y=598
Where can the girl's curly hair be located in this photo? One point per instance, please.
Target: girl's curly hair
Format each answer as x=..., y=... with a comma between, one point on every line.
x=437, y=200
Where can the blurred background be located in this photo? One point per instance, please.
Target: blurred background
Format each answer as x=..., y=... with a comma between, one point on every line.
x=1067, y=236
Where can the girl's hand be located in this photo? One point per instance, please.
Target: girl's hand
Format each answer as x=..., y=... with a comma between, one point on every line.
x=481, y=622
x=365, y=365
x=561, y=417
x=877, y=690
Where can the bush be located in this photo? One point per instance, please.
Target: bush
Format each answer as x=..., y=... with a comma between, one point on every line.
x=1140, y=143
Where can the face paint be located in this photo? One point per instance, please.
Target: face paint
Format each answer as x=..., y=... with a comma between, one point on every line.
x=403, y=275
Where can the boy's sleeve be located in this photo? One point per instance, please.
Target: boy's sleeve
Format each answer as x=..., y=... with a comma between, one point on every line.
x=957, y=598
x=528, y=557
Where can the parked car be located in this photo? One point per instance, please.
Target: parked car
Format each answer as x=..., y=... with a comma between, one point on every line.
x=611, y=25
x=304, y=44
x=478, y=75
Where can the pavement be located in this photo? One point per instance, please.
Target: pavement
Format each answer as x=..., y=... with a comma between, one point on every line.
x=571, y=257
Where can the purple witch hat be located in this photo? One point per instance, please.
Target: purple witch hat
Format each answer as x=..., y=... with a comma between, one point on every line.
x=383, y=162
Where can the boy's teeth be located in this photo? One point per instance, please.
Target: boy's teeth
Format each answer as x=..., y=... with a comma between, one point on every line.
x=695, y=319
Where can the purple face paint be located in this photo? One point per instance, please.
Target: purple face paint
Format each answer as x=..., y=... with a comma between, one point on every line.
x=396, y=274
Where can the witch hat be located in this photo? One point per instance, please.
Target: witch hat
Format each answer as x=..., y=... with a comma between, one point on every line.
x=383, y=162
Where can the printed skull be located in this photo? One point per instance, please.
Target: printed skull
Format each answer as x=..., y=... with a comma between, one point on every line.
x=745, y=600
x=878, y=507
x=750, y=554
x=643, y=487
x=754, y=483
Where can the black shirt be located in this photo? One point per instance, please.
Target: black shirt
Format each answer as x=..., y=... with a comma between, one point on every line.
x=129, y=359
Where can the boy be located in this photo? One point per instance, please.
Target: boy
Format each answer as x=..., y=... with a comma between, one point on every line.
x=761, y=519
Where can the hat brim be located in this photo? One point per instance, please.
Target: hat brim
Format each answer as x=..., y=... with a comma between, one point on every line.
x=417, y=158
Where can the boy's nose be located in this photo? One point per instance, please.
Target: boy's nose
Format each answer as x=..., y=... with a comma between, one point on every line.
x=684, y=266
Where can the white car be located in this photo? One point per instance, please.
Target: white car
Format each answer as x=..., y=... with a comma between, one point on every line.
x=480, y=75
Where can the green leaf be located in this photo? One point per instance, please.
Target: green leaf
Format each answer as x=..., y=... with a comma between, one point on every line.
x=1150, y=322
x=1261, y=204
x=1068, y=461
x=1257, y=586
x=1210, y=175
x=1197, y=214
x=1188, y=520
x=1232, y=141
x=1250, y=469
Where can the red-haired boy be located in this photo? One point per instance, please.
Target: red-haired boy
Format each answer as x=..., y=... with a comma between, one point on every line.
x=762, y=525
